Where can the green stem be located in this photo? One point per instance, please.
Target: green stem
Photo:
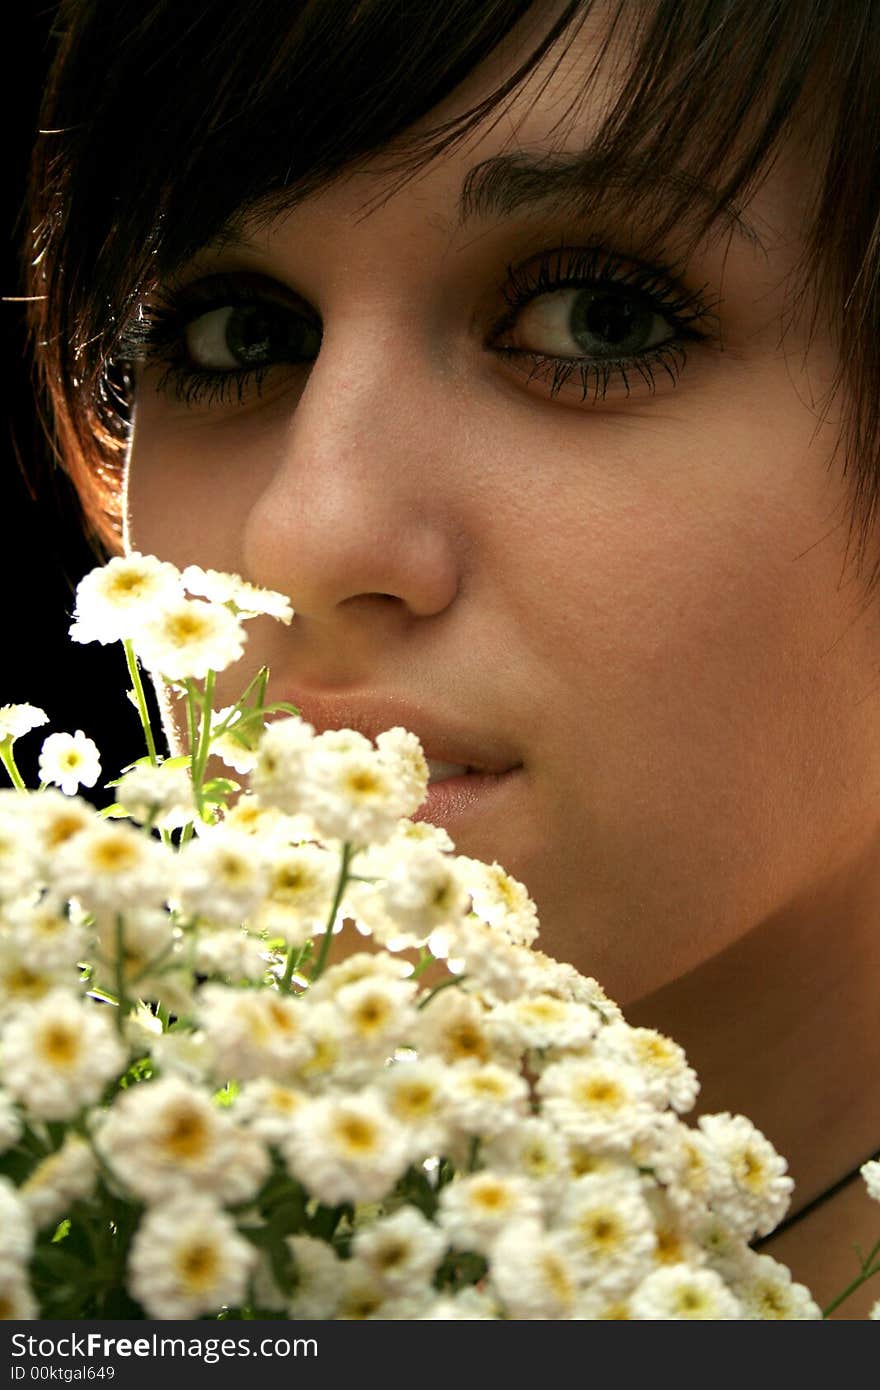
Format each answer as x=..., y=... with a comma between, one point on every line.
x=122, y=1004
x=347, y=853
x=205, y=734
x=866, y=1273
x=9, y=763
x=295, y=958
x=453, y=980
x=138, y=687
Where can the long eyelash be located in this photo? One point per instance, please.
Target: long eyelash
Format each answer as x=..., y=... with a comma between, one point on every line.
x=155, y=336
x=579, y=267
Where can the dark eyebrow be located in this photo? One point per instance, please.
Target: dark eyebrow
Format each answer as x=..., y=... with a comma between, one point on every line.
x=585, y=184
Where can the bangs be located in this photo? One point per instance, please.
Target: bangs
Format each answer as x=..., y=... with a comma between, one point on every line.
x=170, y=128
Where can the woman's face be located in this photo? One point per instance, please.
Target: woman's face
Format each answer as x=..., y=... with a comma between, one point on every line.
x=636, y=597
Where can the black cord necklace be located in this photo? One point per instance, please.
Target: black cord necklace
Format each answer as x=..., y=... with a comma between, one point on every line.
x=825, y=1196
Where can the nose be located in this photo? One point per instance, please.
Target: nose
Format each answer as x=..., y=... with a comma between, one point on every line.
x=357, y=521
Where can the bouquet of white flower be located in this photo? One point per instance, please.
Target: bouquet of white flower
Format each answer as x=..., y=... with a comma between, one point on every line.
x=201, y=1115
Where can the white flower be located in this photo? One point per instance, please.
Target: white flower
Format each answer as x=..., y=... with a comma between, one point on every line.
x=376, y=1013
x=17, y=1302
x=55, y=819
x=162, y=795
x=416, y=1095
x=469, y=1305
x=189, y=637
x=401, y=1251
x=221, y=876
x=24, y=981
x=660, y=1061
x=485, y=1098
x=318, y=1279
x=677, y=1293
x=249, y=599
x=608, y=1229
x=299, y=894
x=19, y=864
x=69, y=761
x=473, y=1211
x=500, y=899
x=11, y=1123
x=114, y=600
x=135, y=949
x=533, y=1273
x=16, y=720
x=16, y=1225
x=44, y=938
x=403, y=753
x=423, y=890
x=361, y=966
x=454, y=1025
x=228, y=744
x=59, y=1054
x=230, y=953
x=499, y=968
x=166, y=1134
x=113, y=866
x=268, y=1107
x=757, y=1189
x=66, y=1176
x=871, y=1173
x=253, y=1032
x=350, y=790
x=281, y=762
x=543, y=1021
x=187, y=1258
x=596, y=1100
x=346, y=1148
x=533, y=1147
x=767, y=1291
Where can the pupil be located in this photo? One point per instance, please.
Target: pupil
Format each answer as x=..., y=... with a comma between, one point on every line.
x=255, y=333
x=610, y=317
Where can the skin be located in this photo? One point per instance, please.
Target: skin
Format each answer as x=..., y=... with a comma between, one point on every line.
x=646, y=597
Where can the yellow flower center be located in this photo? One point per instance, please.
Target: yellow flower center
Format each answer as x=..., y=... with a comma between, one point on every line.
x=363, y=783
x=491, y=1196
x=20, y=982
x=557, y=1278
x=59, y=1045
x=113, y=855
x=600, y=1092
x=182, y=628
x=371, y=1014
x=198, y=1265
x=61, y=828
x=186, y=1134
x=414, y=1100
x=465, y=1040
x=355, y=1134
x=392, y=1255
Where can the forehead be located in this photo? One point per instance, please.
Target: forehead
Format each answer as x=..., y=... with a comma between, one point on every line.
x=543, y=151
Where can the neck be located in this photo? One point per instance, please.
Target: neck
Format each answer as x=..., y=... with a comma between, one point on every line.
x=819, y=1245
x=781, y=1027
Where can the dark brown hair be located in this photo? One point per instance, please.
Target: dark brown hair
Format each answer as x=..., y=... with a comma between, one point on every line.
x=163, y=121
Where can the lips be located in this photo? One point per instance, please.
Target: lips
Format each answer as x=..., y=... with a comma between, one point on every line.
x=447, y=743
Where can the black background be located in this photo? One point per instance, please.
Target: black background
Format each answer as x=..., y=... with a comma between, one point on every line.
x=44, y=550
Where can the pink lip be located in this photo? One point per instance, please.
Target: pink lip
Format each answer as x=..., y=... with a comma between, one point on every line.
x=449, y=742
x=452, y=797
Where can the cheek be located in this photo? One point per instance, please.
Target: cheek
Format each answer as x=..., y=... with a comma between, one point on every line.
x=191, y=486
x=711, y=750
